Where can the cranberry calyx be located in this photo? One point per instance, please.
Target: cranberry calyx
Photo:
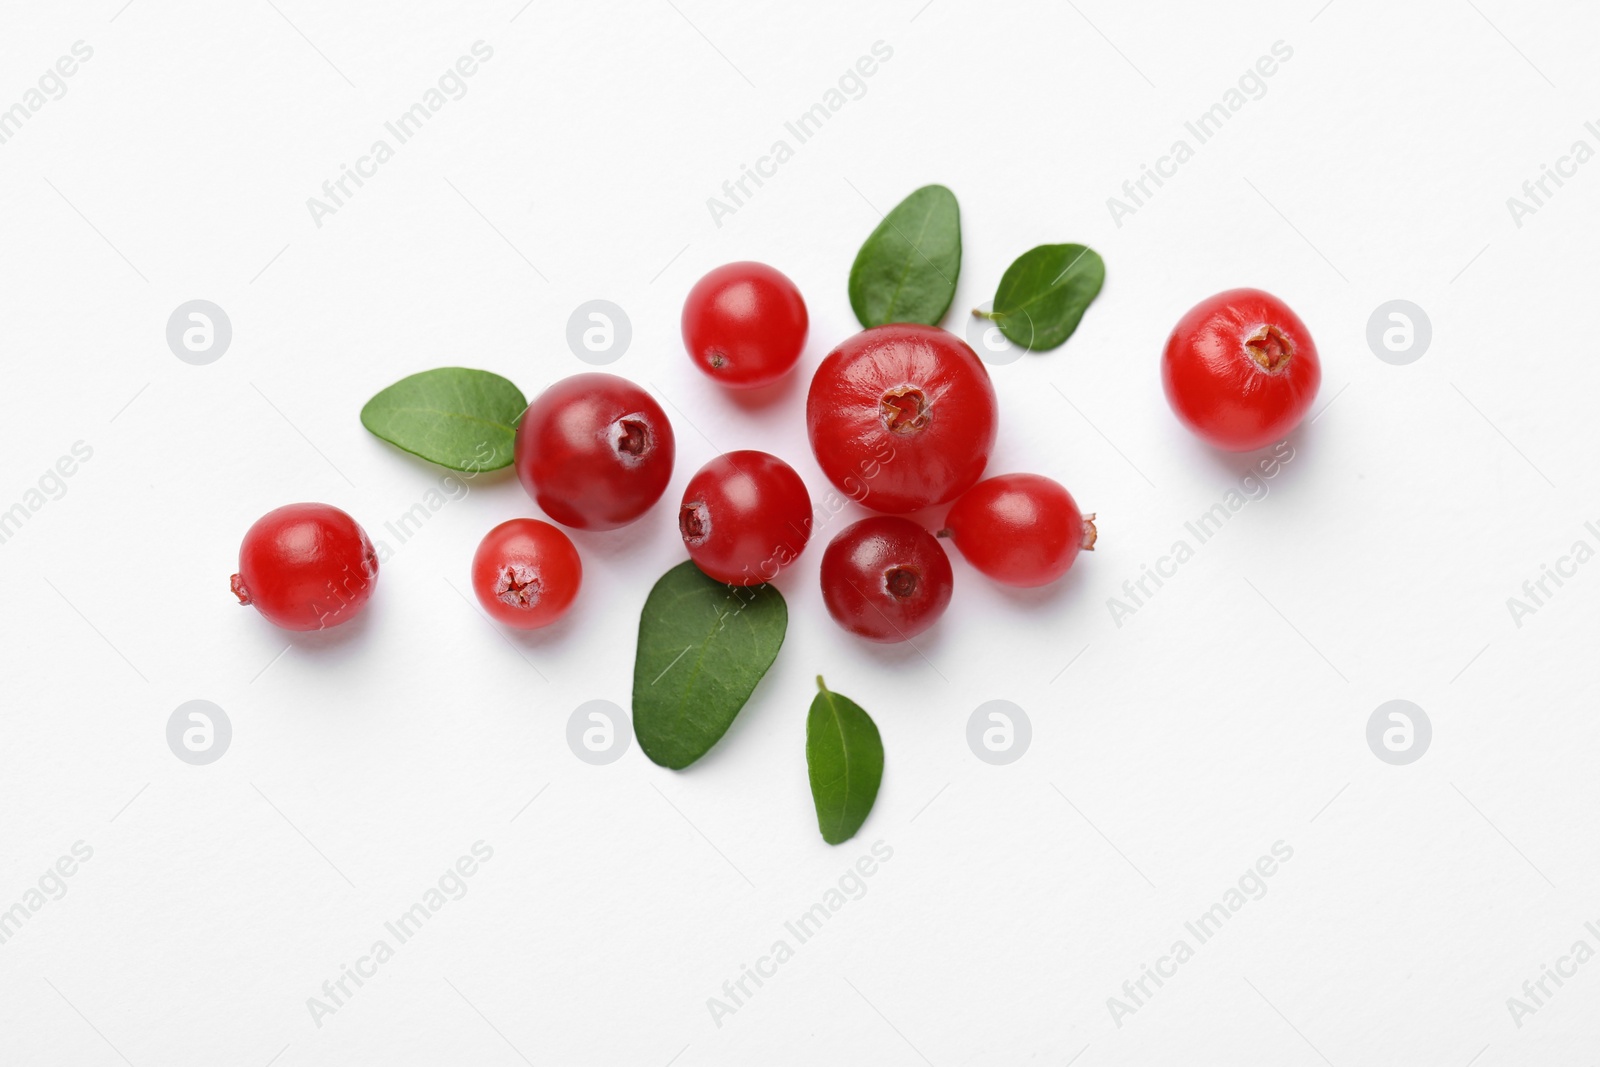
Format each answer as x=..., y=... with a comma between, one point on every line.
x=633, y=437
x=694, y=522
x=526, y=574
x=905, y=409
x=901, y=582
x=518, y=585
x=1269, y=347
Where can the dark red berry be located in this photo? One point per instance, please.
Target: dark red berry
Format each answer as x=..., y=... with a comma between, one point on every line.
x=306, y=567
x=745, y=516
x=594, y=451
x=886, y=579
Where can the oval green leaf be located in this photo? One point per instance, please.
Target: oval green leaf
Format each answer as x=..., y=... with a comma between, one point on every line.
x=844, y=756
x=1043, y=295
x=453, y=416
x=906, y=271
x=703, y=646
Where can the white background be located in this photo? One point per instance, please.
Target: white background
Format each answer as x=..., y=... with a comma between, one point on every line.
x=1229, y=713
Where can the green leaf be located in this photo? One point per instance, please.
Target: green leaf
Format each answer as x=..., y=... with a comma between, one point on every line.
x=703, y=646
x=844, y=756
x=458, y=418
x=906, y=271
x=1043, y=295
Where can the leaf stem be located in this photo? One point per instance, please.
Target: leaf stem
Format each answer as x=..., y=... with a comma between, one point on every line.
x=821, y=685
x=979, y=313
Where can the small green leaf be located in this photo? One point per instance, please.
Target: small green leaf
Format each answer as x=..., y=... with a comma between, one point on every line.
x=703, y=646
x=844, y=756
x=906, y=271
x=1044, y=294
x=458, y=418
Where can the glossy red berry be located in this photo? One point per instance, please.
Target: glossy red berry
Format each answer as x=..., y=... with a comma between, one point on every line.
x=306, y=567
x=1020, y=529
x=902, y=417
x=745, y=516
x=886, y=579
x=1240, y=370
x=594, y=451
x=744, y=325
x=526, y=573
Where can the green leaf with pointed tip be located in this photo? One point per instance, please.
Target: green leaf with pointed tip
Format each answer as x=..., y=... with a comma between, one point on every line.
x=703, y=647
x=1043, y=295
x=907, y=269
x=453, y=416
x=844, y=756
